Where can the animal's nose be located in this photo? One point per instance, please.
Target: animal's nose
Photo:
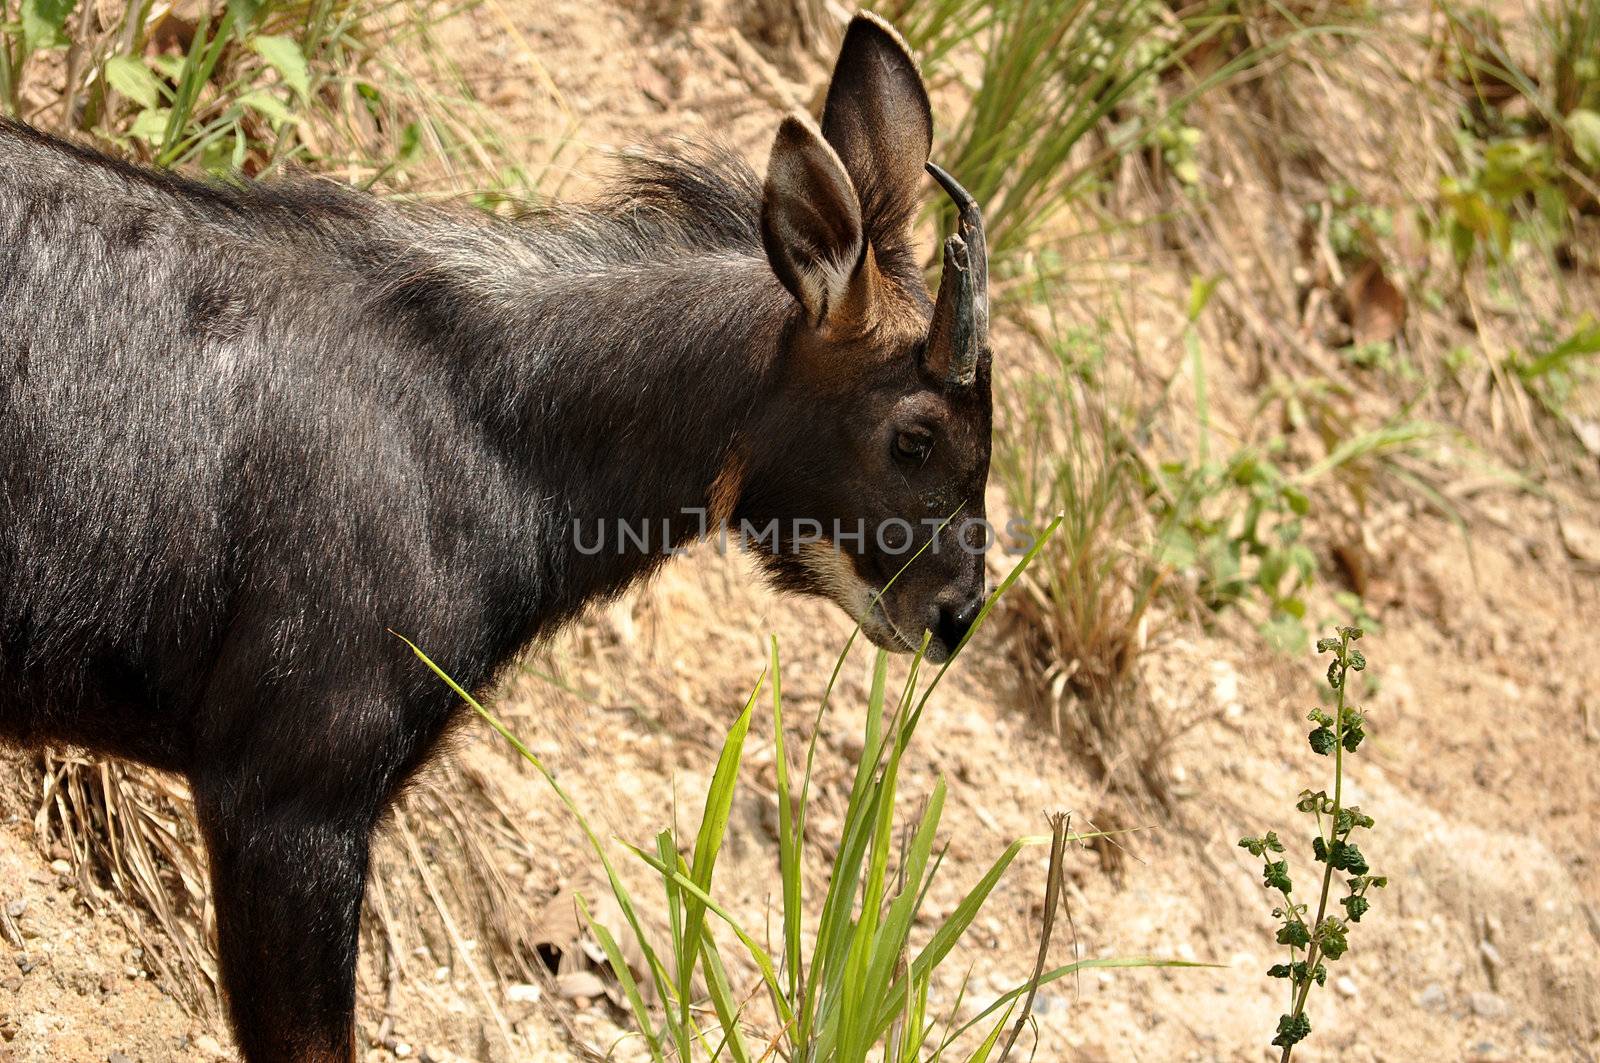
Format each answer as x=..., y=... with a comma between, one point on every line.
x=955, y=620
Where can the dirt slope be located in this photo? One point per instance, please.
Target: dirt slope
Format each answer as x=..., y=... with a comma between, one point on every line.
x=1482, y=774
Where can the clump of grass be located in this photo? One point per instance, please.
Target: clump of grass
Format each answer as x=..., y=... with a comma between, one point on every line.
x=1063, y=89
x=860, y=990
x=1311, y=940
x=129, y=831
x=1077, y=623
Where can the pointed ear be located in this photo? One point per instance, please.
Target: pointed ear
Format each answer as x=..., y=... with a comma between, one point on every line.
x=878, y=119
x=811, y=222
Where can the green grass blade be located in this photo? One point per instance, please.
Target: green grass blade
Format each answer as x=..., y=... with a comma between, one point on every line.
x=722, y=1001
x=630, y=988
x=1008, y=999
x=663, y=980
x=763, y=960
x=789, y=840
x=713, y=828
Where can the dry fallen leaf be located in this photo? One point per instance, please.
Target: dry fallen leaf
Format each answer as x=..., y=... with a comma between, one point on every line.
x=1377, y=306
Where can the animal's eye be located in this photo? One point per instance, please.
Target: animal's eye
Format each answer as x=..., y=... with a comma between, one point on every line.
x=912, y=447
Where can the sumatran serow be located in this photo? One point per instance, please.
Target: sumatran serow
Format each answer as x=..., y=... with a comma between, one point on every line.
x=247, y=429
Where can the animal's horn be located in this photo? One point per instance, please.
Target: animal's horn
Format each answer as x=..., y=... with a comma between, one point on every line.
x=960, y=330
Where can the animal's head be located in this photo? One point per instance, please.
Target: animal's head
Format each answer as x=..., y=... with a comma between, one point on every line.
x=881, y=436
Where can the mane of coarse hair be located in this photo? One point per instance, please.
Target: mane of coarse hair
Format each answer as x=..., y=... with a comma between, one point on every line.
x=677, y=197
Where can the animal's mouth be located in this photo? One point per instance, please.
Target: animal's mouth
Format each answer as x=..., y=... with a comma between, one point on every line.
x=883, y=632
x=835, y=576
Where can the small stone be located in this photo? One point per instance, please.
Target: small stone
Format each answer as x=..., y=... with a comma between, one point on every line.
x=580, y=984
x=15, y=908
x=1433, y=997
x=61, y=867
x=1346, y=986
x=523, y=993
x=11, y=983
x=118, y=1057
x=24, y=963
x=401, y=1050
x=1487, y=1005
x=209, y=1045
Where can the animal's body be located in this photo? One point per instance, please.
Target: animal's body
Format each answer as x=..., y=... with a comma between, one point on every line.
x=245, y=431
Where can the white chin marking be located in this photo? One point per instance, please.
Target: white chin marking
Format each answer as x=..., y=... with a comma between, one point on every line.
x=836, y=577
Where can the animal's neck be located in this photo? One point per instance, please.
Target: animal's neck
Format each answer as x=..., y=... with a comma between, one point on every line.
x=620, y=395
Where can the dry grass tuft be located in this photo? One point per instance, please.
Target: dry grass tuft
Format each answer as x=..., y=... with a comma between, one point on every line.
x=442, y=882
x=1079, y=619
x=130, y=836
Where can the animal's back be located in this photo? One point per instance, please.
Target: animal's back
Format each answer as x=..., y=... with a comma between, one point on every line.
x=190, y=387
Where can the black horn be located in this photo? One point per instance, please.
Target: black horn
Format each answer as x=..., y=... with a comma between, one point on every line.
x=960, y=329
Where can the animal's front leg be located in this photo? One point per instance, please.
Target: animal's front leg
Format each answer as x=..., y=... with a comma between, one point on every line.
x=287, y=874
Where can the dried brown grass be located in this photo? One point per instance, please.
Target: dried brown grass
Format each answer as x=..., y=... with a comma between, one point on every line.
x=438, y=881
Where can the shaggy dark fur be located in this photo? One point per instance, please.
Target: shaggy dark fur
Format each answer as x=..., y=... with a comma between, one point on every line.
x=247, y=429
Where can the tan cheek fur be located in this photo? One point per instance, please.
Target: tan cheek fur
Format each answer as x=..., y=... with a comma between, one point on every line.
x=723, y=495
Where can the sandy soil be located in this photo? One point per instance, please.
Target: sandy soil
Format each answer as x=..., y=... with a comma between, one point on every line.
x=1482, y=772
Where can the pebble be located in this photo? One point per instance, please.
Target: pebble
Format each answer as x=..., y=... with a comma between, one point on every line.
x=61, y=867
x=209, y=1045
x=523, y=993
x=118, y=1057
x=1487, y=1005
x=16, y=908
x=1346, y=986
x=1433, y=998
x=576, y=984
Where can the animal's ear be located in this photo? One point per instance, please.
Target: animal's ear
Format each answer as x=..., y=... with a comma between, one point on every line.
x=878, y=119
x=811, y=223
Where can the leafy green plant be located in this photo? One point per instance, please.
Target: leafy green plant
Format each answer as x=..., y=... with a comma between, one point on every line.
x=355, y=86
x=1480, y=209
x=1551, y=373
x=1325, y=937
x=1240, y=523
x=860, y=990
x=1235, y=523
x=1357, y=228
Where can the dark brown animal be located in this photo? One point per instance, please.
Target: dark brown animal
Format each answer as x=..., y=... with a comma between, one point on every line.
x=246, y=430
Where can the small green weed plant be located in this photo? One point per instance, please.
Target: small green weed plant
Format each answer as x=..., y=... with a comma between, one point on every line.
x=1313, y=942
